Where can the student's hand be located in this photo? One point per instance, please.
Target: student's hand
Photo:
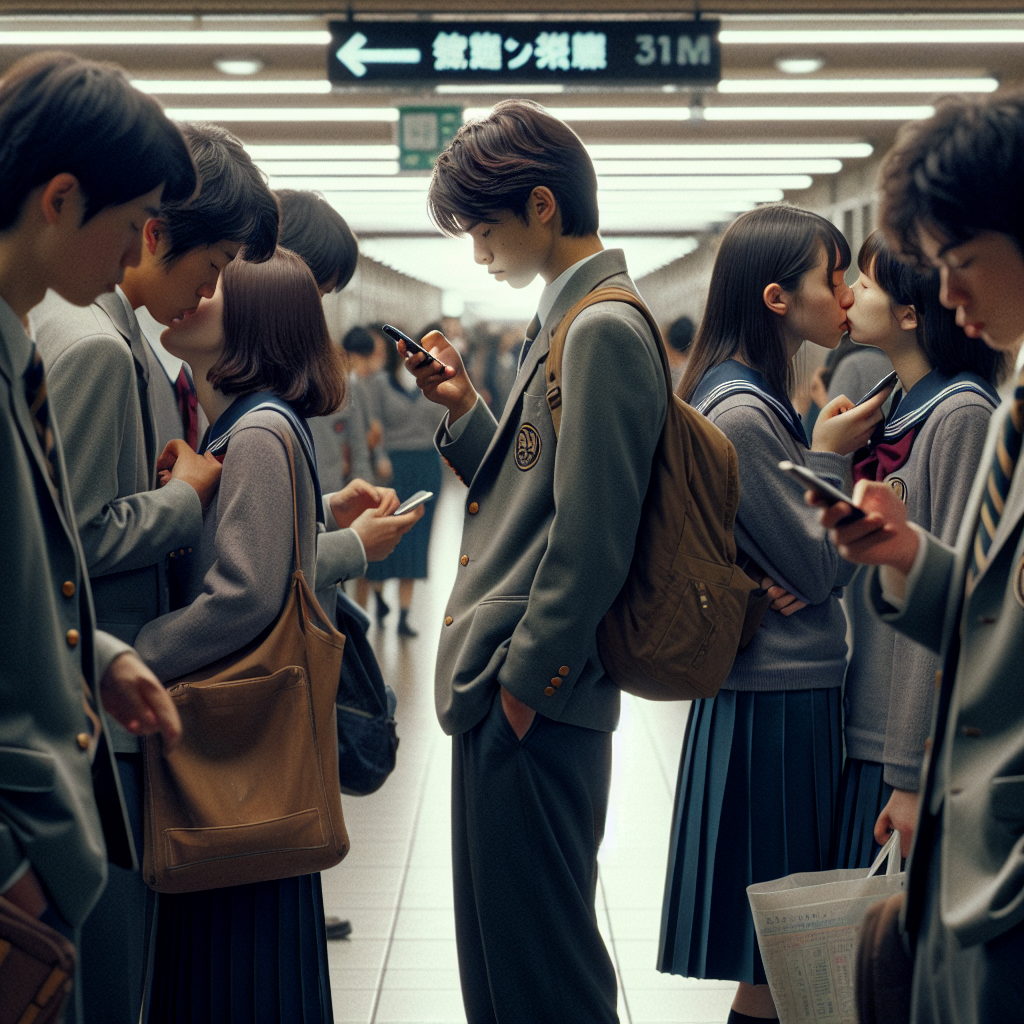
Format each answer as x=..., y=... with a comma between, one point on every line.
x=882, y=537
x=384, y=468
x=354, y=499
x=27, y=894
x=843, y=427
x=380, y=531
x=136, y=699
x=899, y=813
x=520, y=716
x=782, y=600
x=375, y=434
x=449, y=386
x=201, y=472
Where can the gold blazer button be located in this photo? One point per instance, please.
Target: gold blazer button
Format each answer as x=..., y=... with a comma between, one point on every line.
x=564, y=670
x=464, y=560
x=448, y=620
x=72, y=638
x=83, y=740
x=67, y=588
x=473, y=508
x=549, y=691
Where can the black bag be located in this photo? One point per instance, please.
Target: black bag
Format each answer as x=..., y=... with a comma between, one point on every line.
x=365, y=706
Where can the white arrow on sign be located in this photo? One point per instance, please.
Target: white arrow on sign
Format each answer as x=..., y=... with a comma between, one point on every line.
x=355, y=58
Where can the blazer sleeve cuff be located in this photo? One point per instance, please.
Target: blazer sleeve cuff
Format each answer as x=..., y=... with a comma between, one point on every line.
x=340, y=556
x=107, y=649
x=466, y=451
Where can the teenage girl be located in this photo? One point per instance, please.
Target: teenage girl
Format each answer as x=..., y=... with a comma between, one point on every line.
x=926, y=451
x=762, y=760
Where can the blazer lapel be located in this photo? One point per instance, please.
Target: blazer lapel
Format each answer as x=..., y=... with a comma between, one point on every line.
x=113, y=306
x=609, y=263
x=1014, y=508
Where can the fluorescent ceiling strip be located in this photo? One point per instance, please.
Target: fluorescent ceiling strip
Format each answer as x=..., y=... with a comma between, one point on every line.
x=603, y=113
x=287, y=151
x=510, y=89
x=326, y=171
x=232, y=87
x=816, y=113
x=156, y=37
x=868, y=36
x=761, y=86
x=640, y=166
x=233, y=114
x=729, y=150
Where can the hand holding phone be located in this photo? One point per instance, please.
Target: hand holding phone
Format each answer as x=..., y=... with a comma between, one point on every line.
x=890, y=380
x=810, y=481
x=419, y=498
x=410, y=346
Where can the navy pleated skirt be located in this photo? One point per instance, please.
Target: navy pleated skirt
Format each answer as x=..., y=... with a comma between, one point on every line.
x=248, y=954
x=757, y=787
x=414, y=471
x=862, y=795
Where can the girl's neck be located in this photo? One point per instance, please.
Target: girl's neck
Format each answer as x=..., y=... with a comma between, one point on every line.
x=909, y=362
x=215, y=403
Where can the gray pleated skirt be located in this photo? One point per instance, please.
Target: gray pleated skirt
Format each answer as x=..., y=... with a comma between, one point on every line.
x=757, y=789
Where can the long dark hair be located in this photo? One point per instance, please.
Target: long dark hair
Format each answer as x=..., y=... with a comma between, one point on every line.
x=948, y=349
x=275, y=336
x=775, y=243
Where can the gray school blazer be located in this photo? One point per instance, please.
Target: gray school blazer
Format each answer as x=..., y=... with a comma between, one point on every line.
x=973, y=781
x=549, y=529
x=98, y=378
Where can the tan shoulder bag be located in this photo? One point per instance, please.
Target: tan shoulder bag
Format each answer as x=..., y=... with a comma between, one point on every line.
x=252, y=792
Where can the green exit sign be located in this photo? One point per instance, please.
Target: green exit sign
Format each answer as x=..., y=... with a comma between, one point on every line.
x=424, y=133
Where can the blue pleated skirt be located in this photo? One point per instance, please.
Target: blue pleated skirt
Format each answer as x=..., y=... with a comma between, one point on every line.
x=414, y=471
x=757, y=787
x=248, y=954
x=862, y=795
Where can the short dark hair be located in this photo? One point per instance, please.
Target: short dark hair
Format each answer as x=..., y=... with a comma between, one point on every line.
x=63, y=115
x=234, y=202
x=947, y=347
x=959, y=173
x=680, y=334
x=495, y=163
x=359, y=341
x=775, y=243
x=315, y=230
x=275, y=336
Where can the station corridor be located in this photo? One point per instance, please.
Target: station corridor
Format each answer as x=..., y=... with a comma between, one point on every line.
x=395, y=885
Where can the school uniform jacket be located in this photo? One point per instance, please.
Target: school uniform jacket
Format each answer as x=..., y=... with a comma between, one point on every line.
x=972, y=795
x=98, y=375
x=549, y=528
x=55, y=760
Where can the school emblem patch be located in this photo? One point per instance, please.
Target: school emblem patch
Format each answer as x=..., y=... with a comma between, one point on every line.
x=527, y=447
x=900, y=488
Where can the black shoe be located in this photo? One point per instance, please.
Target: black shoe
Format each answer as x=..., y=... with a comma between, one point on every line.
x=382, y=609
x=404, y=629
x=338, y=929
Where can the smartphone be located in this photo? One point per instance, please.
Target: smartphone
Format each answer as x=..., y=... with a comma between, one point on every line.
x=810, y=481
x=888, y=381
x=419, y=498
x=410, y=346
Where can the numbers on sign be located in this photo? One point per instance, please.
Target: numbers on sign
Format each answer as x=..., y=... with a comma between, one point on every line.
x=688, y=51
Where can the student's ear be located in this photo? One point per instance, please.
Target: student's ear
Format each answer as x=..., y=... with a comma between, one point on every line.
x=59, y=193
x=154, y=232
x=544, y=205
x=775, y=299
x=906, y=317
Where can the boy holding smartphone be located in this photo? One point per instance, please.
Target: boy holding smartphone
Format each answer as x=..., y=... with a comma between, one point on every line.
x=547, y=543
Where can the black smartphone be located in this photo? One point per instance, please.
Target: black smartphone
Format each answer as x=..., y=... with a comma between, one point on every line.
x=810, y=481
x=419, y=498
x=888, y=381
x=410, y=346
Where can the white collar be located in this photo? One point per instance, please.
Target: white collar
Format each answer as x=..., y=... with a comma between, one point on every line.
x=549, y=296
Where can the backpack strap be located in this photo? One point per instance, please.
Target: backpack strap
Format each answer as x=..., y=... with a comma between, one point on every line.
x=553, y=365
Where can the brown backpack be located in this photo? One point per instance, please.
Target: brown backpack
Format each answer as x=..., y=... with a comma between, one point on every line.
x=674, y=629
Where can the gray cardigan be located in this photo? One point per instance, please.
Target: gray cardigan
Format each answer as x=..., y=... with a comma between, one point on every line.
x=341, y=438
x=241, y=570
x=408, y=420
x=782, y=535
x=890, y=684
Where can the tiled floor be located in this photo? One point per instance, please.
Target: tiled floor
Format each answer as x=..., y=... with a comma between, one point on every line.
x=395, y=885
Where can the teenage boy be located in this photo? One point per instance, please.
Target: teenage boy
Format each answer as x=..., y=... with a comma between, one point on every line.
x=85, y=161
x=547, y=543
x=99, y=379
x=953, y=197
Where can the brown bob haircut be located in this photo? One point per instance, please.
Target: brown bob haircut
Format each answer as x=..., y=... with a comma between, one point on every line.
x=495, y=163
x=275, y=336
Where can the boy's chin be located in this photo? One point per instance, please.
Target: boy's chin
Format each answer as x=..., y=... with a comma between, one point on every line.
x=521, y=281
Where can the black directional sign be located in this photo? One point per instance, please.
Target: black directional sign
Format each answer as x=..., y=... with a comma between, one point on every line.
x=510, y=52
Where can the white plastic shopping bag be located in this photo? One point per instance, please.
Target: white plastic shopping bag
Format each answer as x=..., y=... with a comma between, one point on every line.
x=807, y=926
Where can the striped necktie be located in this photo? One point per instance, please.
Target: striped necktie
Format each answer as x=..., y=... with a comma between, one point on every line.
x=188, y=407
x=531, y=334
x=35, y=395
x=1000, y=476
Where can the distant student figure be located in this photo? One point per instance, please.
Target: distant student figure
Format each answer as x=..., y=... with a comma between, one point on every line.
x=936, y=427
x=761, y=764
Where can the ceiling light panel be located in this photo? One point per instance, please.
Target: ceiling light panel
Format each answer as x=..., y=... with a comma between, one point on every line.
x=287, y=151
x=870, y=36
x=326, y=171
x=879, y=113
x=157, y=37
x=232, y=87
x=729, y=150
x=728, y=167
x=304, y=114
x=762, y=86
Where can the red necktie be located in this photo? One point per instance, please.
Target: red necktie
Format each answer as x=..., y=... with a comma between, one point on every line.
x=188, y=407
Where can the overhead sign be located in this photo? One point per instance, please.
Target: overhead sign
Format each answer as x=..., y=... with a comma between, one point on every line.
x=424, y=133
x=510, y=52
